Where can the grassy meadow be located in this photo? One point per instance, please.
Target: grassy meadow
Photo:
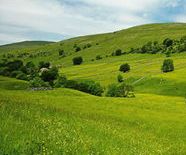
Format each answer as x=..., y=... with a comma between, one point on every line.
x=66, y=121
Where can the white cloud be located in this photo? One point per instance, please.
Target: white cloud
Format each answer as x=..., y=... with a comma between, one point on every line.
x=80, y=17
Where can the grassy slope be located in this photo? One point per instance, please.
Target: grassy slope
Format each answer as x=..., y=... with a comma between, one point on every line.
x=67, y=121
x=125, y=39
x=64, y=121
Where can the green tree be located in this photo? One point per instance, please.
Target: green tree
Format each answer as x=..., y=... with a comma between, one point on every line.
x=168, y=65
x=50, y=75
x=168, y=42
x=77, y=60
x=124, y=68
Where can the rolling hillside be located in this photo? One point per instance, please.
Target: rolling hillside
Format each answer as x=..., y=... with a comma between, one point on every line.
x=105, y=44
x=66, y=121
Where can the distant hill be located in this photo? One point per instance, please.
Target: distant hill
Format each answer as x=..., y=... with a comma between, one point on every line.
x=24, y=44
x=101, y=44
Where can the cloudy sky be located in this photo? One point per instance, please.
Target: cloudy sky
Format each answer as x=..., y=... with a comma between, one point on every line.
x=60, y=19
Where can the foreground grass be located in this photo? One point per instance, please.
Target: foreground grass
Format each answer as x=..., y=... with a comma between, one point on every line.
x=65, y=121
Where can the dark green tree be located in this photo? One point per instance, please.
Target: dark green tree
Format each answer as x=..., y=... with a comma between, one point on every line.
x=77, y=60
x=124, y=68
x=168, y=66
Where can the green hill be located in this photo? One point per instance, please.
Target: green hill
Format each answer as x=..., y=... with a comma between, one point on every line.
x=23, y=45
x=104, y=44
x=66, y=121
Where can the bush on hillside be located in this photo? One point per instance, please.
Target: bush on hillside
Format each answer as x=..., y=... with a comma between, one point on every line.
x=77, y=60
x=60, y=82
x=86, y=86
x=50, y=75
x=77, y=49
x=168, y=42
x=61, y=52
x=121, y=90
x=120, y=78
x=22, y=76
x=124, y=68
x=118, y=52
x=14, y=65
x=168, y=65
x=37, y=82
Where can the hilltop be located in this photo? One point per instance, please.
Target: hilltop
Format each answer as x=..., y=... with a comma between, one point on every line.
x=103, y=44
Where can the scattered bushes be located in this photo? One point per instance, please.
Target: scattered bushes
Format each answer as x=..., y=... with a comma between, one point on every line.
x=121, y=90
x=77, y=60
x=124, y=68
x=87, y=46
x=168, y=65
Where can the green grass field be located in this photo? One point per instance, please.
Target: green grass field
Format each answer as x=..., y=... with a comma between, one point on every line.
x=65, y=121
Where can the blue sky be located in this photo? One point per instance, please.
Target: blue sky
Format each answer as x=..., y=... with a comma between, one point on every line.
x=61, y=19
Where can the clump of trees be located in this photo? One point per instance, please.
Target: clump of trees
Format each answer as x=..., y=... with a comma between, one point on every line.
x=77, y=60
x=124, y=68
x=167, y=47
x=120, y=90
x=168, y=66
x=30, y=72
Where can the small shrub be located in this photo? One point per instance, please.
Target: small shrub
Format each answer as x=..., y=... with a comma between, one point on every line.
x=124, y=68
x=168, y=65
x=77, y=60
x=120, y=78
x=118, y=52
x=77, y=49
x=61, y=52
